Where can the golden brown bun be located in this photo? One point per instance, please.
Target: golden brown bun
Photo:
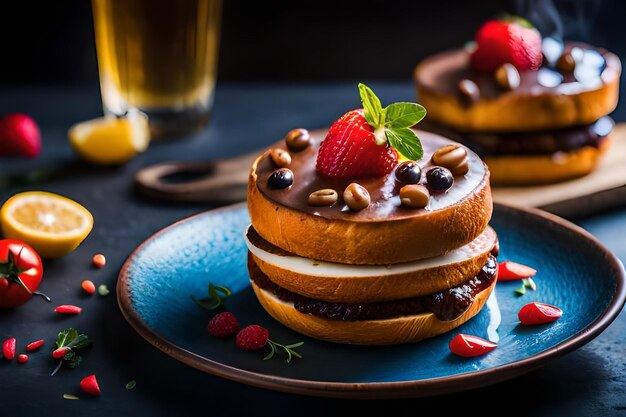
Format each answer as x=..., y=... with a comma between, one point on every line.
x=381, y=242
x=516, y=111
x=398, y=330
x=544, y=169
x=373, y=288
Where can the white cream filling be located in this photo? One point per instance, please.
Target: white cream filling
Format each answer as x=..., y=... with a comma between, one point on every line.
x=305, y=266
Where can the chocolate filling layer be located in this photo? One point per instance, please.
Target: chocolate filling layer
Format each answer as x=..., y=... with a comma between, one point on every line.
x=445, y=305
x=531, y=143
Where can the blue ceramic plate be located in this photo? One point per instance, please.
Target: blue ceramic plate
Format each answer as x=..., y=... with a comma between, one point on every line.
x=576, y=273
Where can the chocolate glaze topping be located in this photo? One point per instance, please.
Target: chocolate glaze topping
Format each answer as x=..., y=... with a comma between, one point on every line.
x=384, y=192
x=531, y=143
x=445, y=305
x=441, y=73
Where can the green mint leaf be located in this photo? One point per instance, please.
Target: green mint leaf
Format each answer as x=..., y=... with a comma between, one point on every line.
x=74, y=362
x=81, y=341
x=73, y=340
x=66, y=337
x=403, y=114
x=131, y=384
x=372, y=109
x=217, y=295
x=516, y=19
x=405, y=141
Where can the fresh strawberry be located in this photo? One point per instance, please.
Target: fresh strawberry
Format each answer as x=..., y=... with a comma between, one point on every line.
x=19, y=136
x=350, y=150
x=512, y=41
x=366, y=142
x=510, y=271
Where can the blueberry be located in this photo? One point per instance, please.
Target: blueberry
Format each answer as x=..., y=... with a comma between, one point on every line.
x=439, y=179
x=281, y=178
x=408, y=172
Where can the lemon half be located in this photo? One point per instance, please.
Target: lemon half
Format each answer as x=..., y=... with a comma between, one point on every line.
x=52, y=224
x=111, y=140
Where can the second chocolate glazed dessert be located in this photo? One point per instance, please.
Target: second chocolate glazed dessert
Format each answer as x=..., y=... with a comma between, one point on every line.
x=535, y=110
x=366, y=234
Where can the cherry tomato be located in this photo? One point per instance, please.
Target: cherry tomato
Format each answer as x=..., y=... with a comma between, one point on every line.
x=468, y=346
x=20, y=272
x=538, y=313
x=509, y=271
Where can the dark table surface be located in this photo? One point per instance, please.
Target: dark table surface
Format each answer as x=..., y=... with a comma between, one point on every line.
x=588, y=381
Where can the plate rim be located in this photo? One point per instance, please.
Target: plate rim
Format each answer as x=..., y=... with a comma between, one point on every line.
x=381, y=390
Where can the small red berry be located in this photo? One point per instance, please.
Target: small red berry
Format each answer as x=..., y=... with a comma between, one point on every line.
x=252, y=337
x=88, y=286
x=89, y=384
x=19, y=136
x=99, y=260
x=223, y=324
x=538, y=313
x=34, y=345
x=68, y=309
x=8, y=348
x=22, y=358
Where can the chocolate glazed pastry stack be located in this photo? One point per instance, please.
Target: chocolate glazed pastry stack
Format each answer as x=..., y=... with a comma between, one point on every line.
x=371, y=261
x=537, y=125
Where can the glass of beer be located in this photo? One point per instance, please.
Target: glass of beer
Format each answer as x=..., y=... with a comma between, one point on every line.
x=158, y=57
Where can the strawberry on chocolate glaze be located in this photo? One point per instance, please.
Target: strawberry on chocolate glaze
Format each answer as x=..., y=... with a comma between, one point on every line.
x=512, y=40
x=366, y=142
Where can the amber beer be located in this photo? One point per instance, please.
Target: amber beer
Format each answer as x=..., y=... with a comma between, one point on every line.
x=158, y=56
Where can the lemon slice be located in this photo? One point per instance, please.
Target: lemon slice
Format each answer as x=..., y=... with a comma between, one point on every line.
x=111, y=140
x=53, y=225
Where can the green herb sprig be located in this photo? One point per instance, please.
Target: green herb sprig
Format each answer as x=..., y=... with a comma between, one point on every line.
x=392, y=124
x=287, y=348
x=216, y=298
x=74, y=341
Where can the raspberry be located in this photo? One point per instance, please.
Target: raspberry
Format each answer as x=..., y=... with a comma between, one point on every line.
x=223, y=324
x=252, y=337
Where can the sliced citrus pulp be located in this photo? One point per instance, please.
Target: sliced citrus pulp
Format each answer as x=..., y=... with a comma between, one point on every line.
x=53, y=225
x=111, y=140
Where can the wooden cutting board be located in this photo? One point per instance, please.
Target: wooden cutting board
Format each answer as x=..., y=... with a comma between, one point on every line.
x=603, y=189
